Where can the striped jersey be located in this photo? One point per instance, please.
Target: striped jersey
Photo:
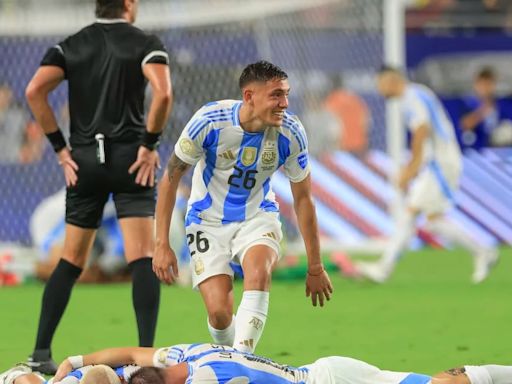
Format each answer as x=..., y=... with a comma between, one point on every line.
x=208, y=363
x=231, y=180
x=421, y=106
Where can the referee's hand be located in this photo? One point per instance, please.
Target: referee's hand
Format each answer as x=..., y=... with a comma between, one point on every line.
x=147, y=162
x=165, y=264
x=69, y=167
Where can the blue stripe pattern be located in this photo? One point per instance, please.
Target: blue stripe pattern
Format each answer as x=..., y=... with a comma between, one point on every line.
x=434, y=109
x=297, y=132
x=236, y=114
x=227, y=371
x=283, y=148
x=443, y=183
x=415, y=378
x=210, y=144
x=266, y=204
x=56, y=233
x=236, y=199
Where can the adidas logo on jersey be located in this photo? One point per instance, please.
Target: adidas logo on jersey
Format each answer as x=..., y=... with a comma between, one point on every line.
x=272, y=235
x=228, y=155
x=248, y=343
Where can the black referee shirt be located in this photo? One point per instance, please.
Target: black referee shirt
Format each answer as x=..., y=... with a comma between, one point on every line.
x=103, y=65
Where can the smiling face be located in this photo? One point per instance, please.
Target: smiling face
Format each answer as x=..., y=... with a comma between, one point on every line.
x=269, y=100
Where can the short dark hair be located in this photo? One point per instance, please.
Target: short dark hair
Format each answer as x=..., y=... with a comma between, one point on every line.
x=385, y=68
x=486, y=73
x=109, y=9
x=261, y=71
x=147, y=375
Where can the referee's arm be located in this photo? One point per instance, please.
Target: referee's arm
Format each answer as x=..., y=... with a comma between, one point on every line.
x=45, y=80
x=159, y=78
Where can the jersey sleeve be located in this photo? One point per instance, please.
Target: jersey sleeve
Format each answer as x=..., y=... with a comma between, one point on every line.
x=126, y=371
x=55, y=56
x=296, y=166
x=416, y=113
x=154, y=52
x=169, y=356
x=190, y=146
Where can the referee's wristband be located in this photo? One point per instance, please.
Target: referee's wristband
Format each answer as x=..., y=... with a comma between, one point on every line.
x=76, y=361
x=151, y=140
x=57, y=140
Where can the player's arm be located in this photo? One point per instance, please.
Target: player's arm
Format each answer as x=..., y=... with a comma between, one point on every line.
x=113, y=357
x=164, y=259
x=45, y=80
x=318, y=284
x=419, y=136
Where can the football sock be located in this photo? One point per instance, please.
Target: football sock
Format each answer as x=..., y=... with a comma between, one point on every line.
x=250, y=320
x=489, y=374
x=223, y=336
x=55, y=299
x=453, y=233
x=404, y=229
x=146, y=299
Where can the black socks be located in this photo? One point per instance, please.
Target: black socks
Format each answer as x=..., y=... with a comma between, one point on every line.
x=55, y=299
x=146, y=299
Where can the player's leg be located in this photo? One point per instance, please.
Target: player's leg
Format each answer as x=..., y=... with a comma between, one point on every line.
x=405, y=228
x=210, y=255
x=77, y=246
x=138, y=246
x=345, y=370
x=484, y=257
x=483, y=374
x=257, y=243
x=217, y=293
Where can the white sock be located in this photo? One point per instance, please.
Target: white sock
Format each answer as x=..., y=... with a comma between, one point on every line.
x=453, y=233
x=405, y=228
x=223, y=336
x=250, y=320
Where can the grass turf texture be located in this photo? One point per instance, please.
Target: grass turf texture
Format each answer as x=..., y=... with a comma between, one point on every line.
x=428, y=317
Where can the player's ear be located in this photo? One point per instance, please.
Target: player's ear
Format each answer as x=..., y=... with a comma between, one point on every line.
x=248, y=95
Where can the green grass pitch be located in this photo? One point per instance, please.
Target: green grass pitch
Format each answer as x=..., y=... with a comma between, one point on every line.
x=427, y=318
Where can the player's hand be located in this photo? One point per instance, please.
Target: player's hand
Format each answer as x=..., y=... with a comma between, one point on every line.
x=318, y=285
x=165, y=264
x=64, y=368
x=147, y=162
x=69, y=167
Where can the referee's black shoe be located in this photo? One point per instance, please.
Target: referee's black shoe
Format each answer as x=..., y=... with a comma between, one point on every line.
x=41, y=361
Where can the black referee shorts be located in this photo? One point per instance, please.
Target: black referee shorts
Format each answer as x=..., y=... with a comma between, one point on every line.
x=85, y=201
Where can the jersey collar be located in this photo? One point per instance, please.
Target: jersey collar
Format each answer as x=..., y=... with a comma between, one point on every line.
x=111, y=21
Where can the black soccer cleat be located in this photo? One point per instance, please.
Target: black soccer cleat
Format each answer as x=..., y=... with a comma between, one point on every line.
x=41, y=361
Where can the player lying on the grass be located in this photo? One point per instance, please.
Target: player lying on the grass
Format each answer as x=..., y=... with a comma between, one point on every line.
x=97, y=374
x=207, y=363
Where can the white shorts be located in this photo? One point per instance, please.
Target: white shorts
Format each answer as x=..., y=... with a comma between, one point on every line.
x=432, y=191
x=213, y=246
x=345, y=370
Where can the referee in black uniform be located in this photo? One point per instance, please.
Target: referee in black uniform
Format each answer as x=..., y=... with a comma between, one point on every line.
x=113, y=151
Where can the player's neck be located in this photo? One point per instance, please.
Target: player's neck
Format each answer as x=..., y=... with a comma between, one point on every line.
x=177, y=374
x=249, y=122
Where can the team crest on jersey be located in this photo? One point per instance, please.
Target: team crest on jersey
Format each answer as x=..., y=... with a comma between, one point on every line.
x=187, y=146
x=249, y=156
x=268, y=157
x=198, y=266
x=162, y=356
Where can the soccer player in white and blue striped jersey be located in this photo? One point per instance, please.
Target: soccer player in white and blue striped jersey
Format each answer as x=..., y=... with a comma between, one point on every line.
x=232, y=216
x=214, y=364
x=429, y=179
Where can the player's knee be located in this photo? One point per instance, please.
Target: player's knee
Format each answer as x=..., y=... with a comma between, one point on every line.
x=220, y=318
x=258, y=278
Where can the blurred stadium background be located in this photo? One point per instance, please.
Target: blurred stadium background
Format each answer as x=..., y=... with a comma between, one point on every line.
x=331, y=50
